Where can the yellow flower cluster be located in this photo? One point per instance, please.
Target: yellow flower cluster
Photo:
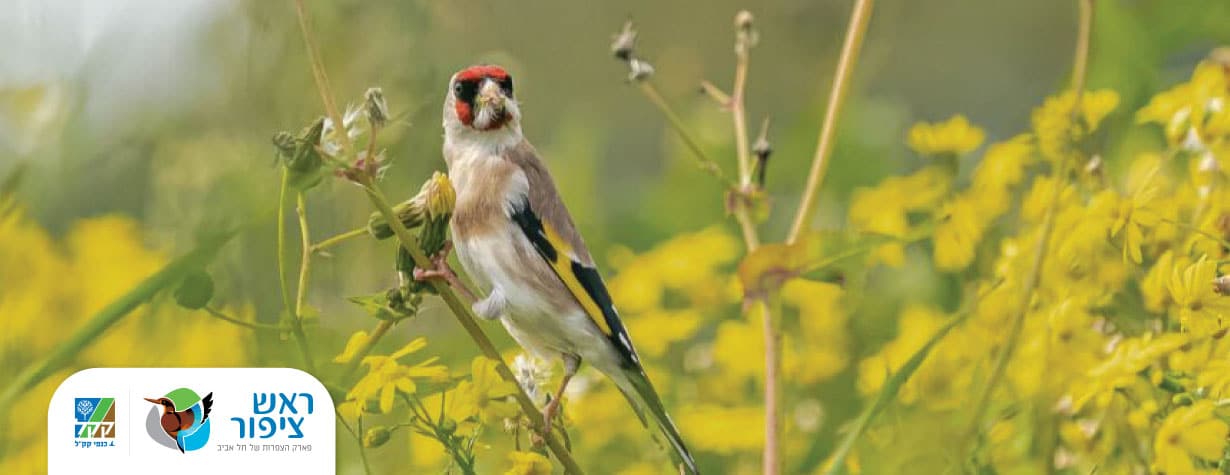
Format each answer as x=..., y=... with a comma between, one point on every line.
x=1116, y=281
x=49, y=287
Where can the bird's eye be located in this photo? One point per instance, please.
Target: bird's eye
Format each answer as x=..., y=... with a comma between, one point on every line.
x=507, y=85
x=465, y=90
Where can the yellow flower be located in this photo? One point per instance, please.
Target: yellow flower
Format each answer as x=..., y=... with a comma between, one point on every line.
x=957, y=234
x=1201, y=309
x=1155, y=286
x=528, y=463
x=1191, y=431
x=1001, y=168
x=1182, y=110
x=1123, y=367
x=386, y=377
x=955, y=136
x=883, y=209
x=486, y=395
x=708, y=427
x=1059, y=137
x=1214, y=378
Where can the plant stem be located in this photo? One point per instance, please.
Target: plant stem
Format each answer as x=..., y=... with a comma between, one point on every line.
x=738, y=114
x=305, y=270
x=771, y=462
x=322, y=80
x=289, y=306
x=887, y=394
x=1080, y=60
x=466, y=317
x=707, y=164
x=283, y=284
x=381, y=329
x=1033, y=278
x=255, y=326
x=338, y=239
x=771, y=457
x=855, y=33
x=62, y=354
x=367, y=469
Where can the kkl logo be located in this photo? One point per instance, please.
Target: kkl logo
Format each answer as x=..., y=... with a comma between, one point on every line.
x=288, y=421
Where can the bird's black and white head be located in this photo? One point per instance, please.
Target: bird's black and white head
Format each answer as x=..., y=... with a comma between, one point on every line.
x=480, y=103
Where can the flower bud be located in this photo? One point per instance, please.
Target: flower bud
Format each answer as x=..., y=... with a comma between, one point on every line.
x=624, y=43
x=375, y=437
x=377, y=108
x=639, y=70
x=438, y=196
x=409, y=212
x=448, y=426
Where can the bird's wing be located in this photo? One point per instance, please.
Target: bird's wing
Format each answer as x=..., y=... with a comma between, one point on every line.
x=541, y=215
x=207, y=403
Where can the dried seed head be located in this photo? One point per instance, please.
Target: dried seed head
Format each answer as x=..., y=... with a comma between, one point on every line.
x=377, y=108
x=743, y=20
x=762, y=149
x=624, y=43
x=639, y=70
x=745, y=32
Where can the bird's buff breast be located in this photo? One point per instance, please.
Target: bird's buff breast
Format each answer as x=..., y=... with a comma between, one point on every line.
x=497, y=256
x=539, y=313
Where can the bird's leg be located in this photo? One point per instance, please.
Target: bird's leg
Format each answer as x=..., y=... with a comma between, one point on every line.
x=441, y=270
x=491, y=307
x=571, y=364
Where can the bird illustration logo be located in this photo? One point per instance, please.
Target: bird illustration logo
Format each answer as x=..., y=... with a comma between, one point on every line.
x=184, y=419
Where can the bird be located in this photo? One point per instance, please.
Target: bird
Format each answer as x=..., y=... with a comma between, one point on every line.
x=515, y=239
x=173, y=422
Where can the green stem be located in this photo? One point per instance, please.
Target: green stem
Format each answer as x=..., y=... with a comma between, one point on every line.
x=1033, y=278
x=855, y=33
x=338, y=239
x=255, y=326
x=305, y=271
x=707, y=164
x=367, y=469
x=62, y=354
x=287, y=303
x=381, y=329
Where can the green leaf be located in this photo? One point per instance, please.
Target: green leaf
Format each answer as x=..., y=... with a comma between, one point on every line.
x=195, y=290
x=887, y=394
x=771, y=265
x=381, y=306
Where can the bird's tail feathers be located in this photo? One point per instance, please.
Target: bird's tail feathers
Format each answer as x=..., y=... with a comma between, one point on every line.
x=636, y=387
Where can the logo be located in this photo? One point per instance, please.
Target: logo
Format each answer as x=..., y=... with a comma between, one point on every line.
x=94, y=418
x=180, y=420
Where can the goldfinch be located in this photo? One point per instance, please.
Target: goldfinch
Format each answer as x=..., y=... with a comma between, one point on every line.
x=515, y=239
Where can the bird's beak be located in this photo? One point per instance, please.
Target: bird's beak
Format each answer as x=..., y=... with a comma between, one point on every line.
x=155, y=401
x=491, y=96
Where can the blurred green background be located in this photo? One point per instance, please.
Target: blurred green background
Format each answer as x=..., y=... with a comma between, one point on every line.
x=162, y=112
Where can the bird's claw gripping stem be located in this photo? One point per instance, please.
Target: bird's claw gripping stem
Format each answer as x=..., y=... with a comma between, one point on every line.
x=441, y=270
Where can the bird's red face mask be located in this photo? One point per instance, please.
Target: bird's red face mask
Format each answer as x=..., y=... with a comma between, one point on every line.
x=482, y=97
